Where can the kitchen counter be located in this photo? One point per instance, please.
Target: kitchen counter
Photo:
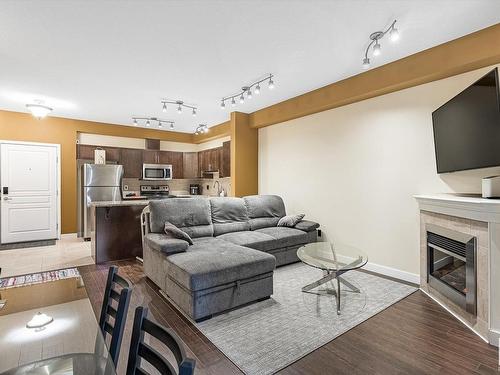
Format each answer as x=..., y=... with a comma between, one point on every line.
x=125, y=202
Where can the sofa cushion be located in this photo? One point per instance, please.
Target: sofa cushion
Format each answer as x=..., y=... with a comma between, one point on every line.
x=190, y=215
x=264, y=210
x=229, y=214
x=252, y=239
x=290, y=220
x=172, y=231
x=306, y=225
x=286, y=236
x=165, y=244
x=207, y=264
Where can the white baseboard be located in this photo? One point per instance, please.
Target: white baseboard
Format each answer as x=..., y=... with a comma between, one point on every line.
x=386, y=271
x=393, y=272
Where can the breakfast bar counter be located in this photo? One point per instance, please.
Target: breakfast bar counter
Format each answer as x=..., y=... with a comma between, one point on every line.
x=116, y=230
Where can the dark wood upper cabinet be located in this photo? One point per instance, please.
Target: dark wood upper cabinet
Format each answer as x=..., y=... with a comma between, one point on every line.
x=131, y=159
x=226, y=159
x=177, y=164
x=150, y=157
x=190, y=165
x=152, y=144
x=86, y=152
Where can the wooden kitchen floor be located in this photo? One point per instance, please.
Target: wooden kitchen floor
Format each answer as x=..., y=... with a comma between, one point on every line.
x=413, y=336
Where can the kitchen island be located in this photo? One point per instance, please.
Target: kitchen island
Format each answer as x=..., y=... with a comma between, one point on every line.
x=116, y=229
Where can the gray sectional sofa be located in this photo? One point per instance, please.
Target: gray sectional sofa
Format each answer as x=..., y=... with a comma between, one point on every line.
x=236, y=246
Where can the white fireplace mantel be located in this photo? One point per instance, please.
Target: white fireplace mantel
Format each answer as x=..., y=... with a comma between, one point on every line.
x=479, y=209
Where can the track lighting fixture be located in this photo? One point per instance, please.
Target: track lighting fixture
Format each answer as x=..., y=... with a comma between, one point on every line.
x=160, y=122
x=38, y=110
x=247, y=90
x=200, y=129
x=375, y=42
x=180, y=105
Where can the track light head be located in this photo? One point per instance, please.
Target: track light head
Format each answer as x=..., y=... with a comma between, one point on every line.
x=194, y=112
x=164, y=108
x=233, y=103
x=249, y=93
x=148, y=123
x=222, y=105
x=394, y=34
x=377, y=49
x=366, y=63
x=242, y=99
x=171, y=125
x=160, y=124
x=179, y=109
x=257, y=89
x=135, y=122
x=271, y=84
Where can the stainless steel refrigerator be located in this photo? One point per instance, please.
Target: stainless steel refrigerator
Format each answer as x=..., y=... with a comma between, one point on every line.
x=97, y=182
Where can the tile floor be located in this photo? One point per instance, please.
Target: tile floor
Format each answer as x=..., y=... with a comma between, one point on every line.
x=69, y=251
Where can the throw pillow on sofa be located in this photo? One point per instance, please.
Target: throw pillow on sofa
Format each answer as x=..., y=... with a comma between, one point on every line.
x=173, y=232
x=290, y=220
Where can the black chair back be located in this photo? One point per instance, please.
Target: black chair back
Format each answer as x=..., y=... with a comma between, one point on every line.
x=117, y=293
x=139, y=350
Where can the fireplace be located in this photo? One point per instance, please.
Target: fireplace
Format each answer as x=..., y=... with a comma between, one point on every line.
x=451, y=265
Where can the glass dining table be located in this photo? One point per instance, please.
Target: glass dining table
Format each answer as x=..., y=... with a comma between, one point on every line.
x=48, y=326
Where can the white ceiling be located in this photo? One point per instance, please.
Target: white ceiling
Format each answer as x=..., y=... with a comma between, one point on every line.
x=109, y=60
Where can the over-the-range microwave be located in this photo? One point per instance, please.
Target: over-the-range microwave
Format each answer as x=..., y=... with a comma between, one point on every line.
x=156, y=172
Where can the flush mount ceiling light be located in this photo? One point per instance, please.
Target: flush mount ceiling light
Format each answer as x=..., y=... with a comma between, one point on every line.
x=201, y=129
x=375, y=42
x=246, y=91
x=179, y=104
x=39, y=321
x=147, y=121
x=38, y=110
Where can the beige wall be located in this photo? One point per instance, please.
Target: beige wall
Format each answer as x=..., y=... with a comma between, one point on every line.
x=355, y=168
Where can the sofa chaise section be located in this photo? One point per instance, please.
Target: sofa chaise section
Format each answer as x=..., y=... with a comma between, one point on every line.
x=210, y=276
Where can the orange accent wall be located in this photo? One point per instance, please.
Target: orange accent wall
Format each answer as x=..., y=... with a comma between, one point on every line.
x=16, y=126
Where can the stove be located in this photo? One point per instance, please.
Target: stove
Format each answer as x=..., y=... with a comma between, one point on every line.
x=156, y=191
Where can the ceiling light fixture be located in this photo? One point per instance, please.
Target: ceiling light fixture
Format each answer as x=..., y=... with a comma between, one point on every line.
x=180, y=105
x=375, y=42
x=200, y=129
x=160, y=122
x=247, y=90
x=38, y=110
x=39, y=321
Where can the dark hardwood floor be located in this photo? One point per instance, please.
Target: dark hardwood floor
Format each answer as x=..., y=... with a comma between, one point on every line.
x=413, y=336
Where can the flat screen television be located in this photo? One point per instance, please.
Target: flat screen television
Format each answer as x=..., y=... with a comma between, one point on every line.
x=467, y=127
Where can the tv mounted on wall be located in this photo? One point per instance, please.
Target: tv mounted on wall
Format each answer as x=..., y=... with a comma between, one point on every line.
x=467, y=127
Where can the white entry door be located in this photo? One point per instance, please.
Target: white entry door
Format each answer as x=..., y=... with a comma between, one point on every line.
x=29, y=196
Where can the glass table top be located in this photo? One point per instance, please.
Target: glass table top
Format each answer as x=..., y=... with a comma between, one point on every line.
x=329, y=257
x=70, y=342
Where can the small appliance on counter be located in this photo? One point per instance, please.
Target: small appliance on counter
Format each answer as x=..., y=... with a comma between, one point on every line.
x=156, y=191
x=194, y=189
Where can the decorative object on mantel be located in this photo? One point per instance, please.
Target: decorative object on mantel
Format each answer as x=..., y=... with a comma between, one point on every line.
x=247, y=91
x=200, y=129
x=159, y=122
x=375, y=38
x=474, y=295
x=180, y=104
x=38, y=110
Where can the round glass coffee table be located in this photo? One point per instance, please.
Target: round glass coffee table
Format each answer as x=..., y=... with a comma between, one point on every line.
x=333, y=261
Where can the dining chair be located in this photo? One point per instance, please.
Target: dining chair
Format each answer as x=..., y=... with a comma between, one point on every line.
x=114, y=310
x=141, y=350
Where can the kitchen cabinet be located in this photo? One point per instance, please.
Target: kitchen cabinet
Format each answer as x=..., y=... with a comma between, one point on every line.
x=86, y=152
x=131, y=159
x=209, y=160
x=190, y=164
x=226, y=159
x=150, y=157
x=173, y=158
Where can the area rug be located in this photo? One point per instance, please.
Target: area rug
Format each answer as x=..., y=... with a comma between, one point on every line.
x=265, y=337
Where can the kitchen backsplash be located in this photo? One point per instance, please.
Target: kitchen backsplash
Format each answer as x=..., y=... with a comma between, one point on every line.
x=181, y=186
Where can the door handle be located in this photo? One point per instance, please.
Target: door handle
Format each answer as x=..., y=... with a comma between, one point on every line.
x=7, y=199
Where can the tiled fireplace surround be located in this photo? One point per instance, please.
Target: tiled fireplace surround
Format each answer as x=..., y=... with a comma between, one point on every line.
x=480, y=218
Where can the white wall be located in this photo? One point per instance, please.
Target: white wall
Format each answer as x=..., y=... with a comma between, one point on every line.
x=355, y=169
